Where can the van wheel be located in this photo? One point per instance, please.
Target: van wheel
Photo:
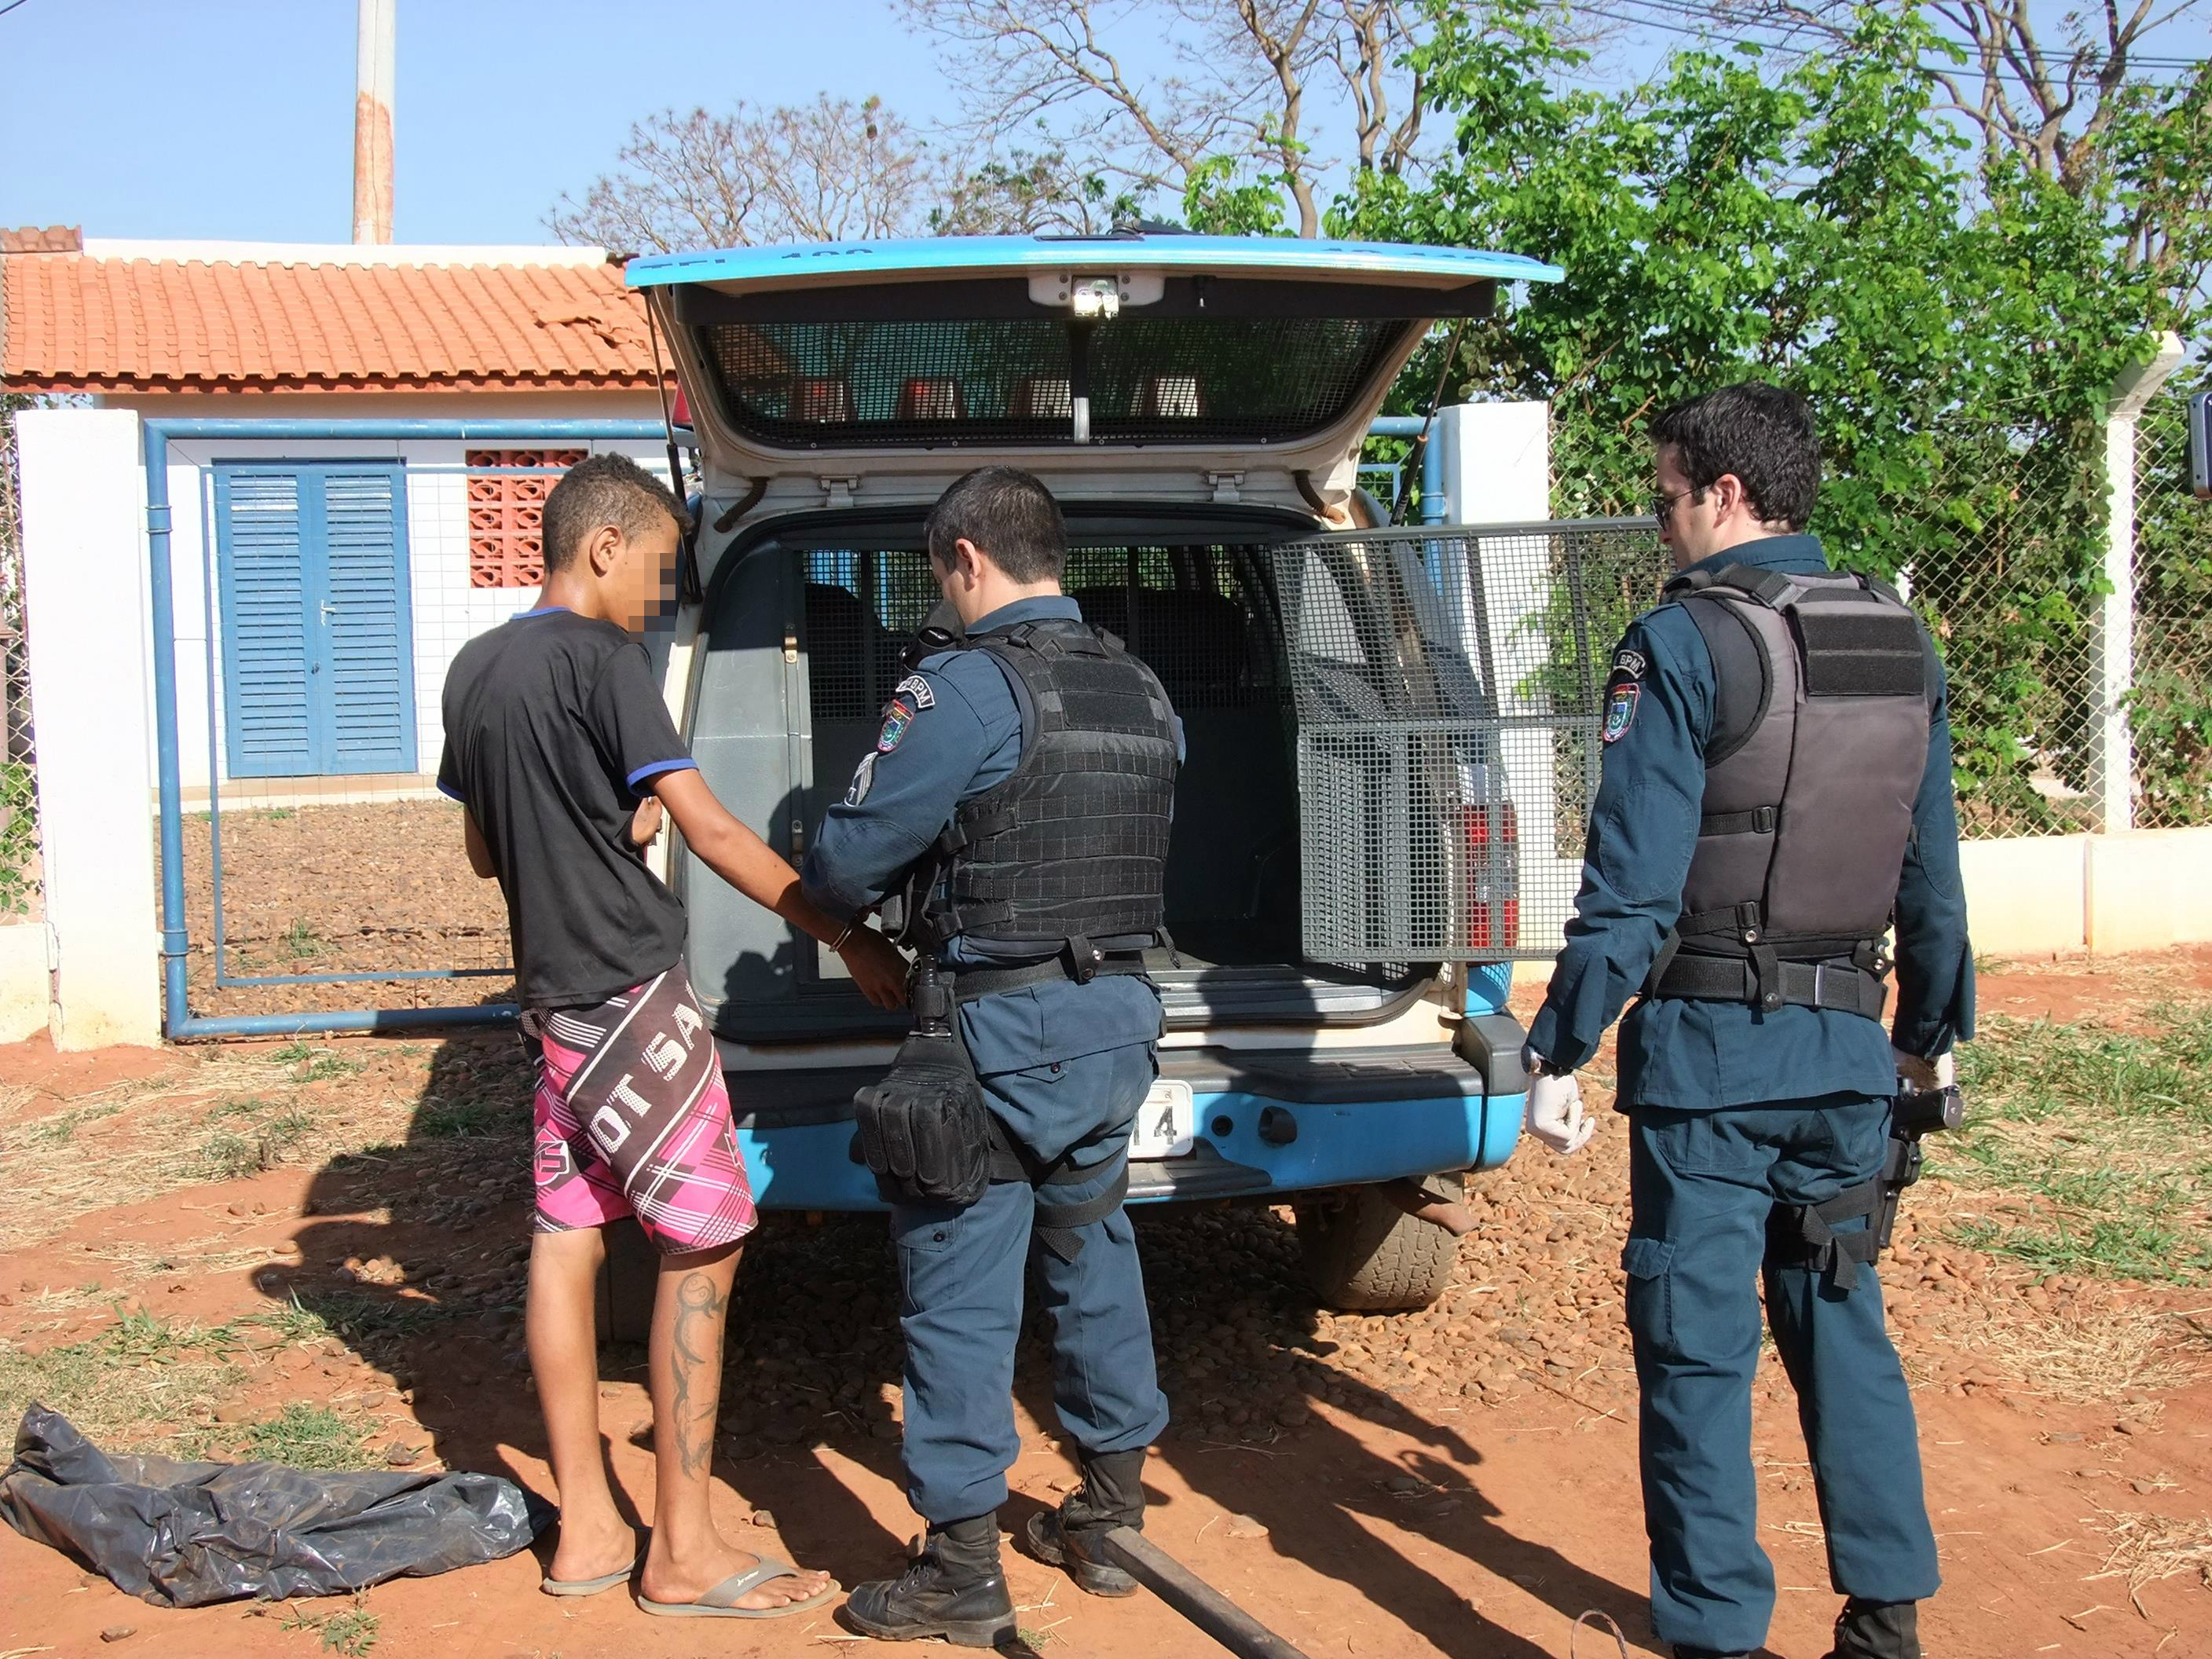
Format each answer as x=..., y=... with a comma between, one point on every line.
x=1364, y=1255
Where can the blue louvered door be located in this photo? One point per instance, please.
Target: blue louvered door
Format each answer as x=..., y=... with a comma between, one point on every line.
x=318, y=653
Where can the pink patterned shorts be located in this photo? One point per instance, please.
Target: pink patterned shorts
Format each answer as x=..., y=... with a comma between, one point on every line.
x=633, y=1118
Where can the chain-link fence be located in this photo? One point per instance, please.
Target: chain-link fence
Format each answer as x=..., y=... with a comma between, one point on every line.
x=21, y=888
x=1998, y=531
x=2003, y=556
x=2170, y=711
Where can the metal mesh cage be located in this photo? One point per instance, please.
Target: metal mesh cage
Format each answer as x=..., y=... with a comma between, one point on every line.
x=1446, y=690
x=1014, y=380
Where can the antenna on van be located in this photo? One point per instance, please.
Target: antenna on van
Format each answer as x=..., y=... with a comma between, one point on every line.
x=687, y=586
x=1420, y=449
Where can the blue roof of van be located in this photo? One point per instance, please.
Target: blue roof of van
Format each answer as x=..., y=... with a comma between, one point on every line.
x=935, y=255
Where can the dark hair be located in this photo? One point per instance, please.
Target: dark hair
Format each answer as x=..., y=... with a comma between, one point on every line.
x=1009, y=514
x=599, y=490
x=1762, y=433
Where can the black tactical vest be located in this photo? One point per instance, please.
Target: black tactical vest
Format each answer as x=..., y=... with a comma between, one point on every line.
x=1825, y=685
x=1073, y=849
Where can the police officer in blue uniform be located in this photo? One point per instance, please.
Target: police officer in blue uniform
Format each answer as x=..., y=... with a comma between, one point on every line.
x=1018, y=796
x=1777, y=794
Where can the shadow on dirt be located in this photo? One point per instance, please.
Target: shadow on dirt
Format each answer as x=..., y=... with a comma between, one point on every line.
x=415, y=1256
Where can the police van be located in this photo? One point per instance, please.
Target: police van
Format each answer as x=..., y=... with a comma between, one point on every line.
x=1342, y=884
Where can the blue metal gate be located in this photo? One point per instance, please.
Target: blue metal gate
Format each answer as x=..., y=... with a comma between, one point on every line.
x=307, y=591
x=311, y=686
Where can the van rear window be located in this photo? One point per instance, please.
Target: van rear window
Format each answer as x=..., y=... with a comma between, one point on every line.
x=1017, y=381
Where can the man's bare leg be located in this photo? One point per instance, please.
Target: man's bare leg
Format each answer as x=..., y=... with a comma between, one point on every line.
x=564, y=1269
x=689, y=1558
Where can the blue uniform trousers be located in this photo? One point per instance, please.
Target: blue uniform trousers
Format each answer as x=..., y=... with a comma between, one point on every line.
x=961, y=1278
x=1702, y=1186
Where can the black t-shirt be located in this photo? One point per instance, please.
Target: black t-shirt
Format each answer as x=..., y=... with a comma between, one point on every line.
x=554, y=725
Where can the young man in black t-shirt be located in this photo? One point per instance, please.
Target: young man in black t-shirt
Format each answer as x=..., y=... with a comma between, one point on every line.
x=558, y=744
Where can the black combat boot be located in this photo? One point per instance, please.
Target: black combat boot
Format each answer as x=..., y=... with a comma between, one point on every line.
x=1877, y=1630
x=954, y=1590
x=1070, y=1537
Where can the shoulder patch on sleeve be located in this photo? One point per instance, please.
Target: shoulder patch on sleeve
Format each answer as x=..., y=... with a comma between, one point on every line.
x=1621, y=696
x=1630, y=662
x=915, y=689
x=898, y=717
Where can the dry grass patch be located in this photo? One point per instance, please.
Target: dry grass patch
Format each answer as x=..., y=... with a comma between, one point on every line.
x=2142, y=1549
x=228, y=1116
x=142, y=1385
x=2080, y=1351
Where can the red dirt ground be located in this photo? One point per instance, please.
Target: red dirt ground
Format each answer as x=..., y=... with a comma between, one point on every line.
x=1461, y=1482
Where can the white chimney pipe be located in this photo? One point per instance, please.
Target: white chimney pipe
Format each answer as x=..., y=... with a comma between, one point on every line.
x=372, y=123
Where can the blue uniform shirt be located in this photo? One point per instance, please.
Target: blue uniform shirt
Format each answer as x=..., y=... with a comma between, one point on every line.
x=953, y=731
x=1696, y=1055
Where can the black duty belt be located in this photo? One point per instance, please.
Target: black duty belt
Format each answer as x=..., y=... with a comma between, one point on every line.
x=1842, y=986
x=969, y=983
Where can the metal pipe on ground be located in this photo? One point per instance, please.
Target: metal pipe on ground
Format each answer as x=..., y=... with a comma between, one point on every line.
x=1194, y=1599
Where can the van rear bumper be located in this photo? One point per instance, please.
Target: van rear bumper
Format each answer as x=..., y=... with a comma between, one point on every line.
x=1331, y=1119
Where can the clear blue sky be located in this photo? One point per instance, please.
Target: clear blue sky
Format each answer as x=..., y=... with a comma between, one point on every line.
x=234, y=118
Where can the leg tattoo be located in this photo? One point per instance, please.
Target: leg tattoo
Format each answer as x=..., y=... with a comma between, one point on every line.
x=695, y=1352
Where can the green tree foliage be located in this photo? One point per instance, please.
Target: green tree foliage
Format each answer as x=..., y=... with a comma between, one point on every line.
x=1955, y=317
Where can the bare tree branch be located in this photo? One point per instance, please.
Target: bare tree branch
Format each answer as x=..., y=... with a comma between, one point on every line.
x=2045, y=103
x=828, y=170
x=1242, y=85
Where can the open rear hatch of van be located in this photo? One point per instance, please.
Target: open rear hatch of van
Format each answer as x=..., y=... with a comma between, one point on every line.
x=1341, y=824
x=1131, y=367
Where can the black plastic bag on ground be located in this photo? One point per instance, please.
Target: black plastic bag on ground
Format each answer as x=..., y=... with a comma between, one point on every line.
x=183, y=1534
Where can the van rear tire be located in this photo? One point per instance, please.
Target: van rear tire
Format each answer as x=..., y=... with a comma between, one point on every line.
x=1364, y=1255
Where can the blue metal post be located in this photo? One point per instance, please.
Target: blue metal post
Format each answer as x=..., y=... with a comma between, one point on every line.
x=1435, y=509
x=177, y=1020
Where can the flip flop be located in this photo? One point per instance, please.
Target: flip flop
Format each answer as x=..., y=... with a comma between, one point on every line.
x=605, y=1581
x=719, y=1603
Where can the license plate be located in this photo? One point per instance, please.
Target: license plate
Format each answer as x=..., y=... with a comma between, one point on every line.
x=1166, y=1125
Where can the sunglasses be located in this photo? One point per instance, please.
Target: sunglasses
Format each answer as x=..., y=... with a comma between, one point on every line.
x=1662, y=506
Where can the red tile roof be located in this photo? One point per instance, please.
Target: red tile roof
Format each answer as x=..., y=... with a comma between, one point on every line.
x=318, y=320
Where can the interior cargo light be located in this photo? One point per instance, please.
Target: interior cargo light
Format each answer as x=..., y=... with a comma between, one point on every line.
x=1491, y=879
x=1095, y=298
x=1170, y=398
x=932, y=398
x=828, y=401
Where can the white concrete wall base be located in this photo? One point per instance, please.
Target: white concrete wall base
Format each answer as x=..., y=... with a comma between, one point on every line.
x=26, y=985
x=2141, y=890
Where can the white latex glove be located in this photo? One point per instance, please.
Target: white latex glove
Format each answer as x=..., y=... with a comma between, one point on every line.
x=1940, y=1072
x=1556, y=1115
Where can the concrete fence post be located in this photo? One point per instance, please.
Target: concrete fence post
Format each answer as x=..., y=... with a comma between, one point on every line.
x=83, y=521
x=1498, y=471
x=2112, y=629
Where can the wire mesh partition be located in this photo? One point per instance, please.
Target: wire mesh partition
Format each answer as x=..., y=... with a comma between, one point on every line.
x=2170, y=709
x=1448, y=690
x=21, y=886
